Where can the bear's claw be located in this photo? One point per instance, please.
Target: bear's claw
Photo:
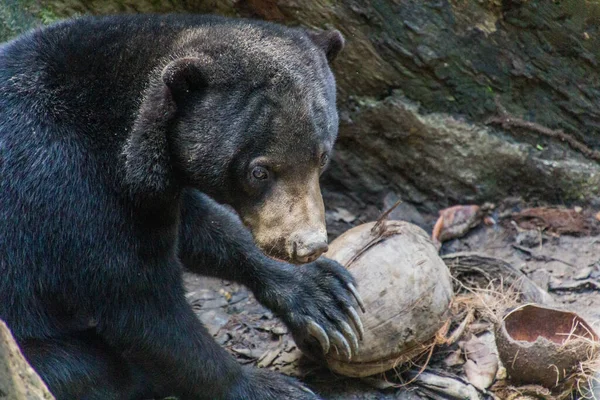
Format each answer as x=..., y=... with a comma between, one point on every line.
x=357, y=297
x=357, y=322
x=319, y=333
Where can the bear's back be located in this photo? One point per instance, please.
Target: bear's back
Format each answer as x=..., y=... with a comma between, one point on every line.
x=86, y=73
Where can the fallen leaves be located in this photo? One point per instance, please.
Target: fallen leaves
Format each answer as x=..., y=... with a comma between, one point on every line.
x=456, y=221
x=481, y=363
x=553, y=220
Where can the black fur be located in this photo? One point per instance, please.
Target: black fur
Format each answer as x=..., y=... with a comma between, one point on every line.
x=110, y=129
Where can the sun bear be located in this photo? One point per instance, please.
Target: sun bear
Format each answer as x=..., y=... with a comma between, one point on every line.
x=123, y=139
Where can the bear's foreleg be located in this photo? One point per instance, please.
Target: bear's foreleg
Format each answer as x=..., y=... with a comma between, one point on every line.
x=315, y=300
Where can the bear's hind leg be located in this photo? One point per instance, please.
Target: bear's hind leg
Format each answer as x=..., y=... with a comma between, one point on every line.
x=85, y=368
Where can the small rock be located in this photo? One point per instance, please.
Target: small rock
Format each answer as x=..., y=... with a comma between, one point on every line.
x=557, y=268
x=214, y=320
x=266, y=315
x=541, y=277
x=341, y=214
x=279, y=330
x=201, y=294
x=223, y=338
x=528, y=238
x=554, y=282
x=583, y=273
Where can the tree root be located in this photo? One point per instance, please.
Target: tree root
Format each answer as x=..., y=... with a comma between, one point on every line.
x=510, y=122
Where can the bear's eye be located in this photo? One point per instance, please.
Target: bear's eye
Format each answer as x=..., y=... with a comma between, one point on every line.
x=324, y=160
x=260, y=173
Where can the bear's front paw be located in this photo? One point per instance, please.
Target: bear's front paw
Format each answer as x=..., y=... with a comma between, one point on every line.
x=262, y=384
x=321, y=309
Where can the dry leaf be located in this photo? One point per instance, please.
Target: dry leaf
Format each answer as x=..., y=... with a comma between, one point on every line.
x=267, y=358
x=554, y=220
x=455, y=358
x=246, y=352
x=455, y=222
x=482, y=360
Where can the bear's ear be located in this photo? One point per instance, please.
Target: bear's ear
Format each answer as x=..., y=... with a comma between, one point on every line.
x=332, y=42
x=148, y=169
x=148, y=164
x=184, y=74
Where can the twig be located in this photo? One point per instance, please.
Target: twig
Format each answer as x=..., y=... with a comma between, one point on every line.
x=575, y=286
x=383, y=216
x=492, y=268
x=508, y=122
x=536, y=391
x=536, y=255
x=458, y=332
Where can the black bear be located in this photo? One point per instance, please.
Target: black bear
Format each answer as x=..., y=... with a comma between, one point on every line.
x=120, y=139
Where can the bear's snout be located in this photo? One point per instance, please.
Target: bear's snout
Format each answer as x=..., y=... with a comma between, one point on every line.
x=307, y=247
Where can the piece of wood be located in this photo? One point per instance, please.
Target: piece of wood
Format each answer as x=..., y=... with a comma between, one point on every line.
x=494, y=269
x=18, y=381
x=448, y=385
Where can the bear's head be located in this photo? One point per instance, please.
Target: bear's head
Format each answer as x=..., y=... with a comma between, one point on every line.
x=249, y=111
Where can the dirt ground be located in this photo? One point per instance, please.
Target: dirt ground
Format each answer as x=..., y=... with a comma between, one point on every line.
x=566, y=264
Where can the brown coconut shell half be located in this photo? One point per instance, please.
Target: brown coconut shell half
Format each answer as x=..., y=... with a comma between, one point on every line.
x=543, y=345
x=406, y=288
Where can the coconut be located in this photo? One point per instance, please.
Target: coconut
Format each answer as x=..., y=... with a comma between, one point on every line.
x=406, y=288
x=543, y=345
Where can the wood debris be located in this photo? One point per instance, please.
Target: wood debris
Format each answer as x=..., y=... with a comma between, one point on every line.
x=553, y=220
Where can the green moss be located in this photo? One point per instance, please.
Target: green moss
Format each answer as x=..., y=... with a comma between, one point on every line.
x=48, y=16
x=16, y=17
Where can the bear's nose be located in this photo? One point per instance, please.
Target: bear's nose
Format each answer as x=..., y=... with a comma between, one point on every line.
x=308, y=251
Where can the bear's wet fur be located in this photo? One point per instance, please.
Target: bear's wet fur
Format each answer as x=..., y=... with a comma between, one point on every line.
x=119, y=138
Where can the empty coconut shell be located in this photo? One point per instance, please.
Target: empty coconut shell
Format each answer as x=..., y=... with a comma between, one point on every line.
x=406, y=288
x=542, y=345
